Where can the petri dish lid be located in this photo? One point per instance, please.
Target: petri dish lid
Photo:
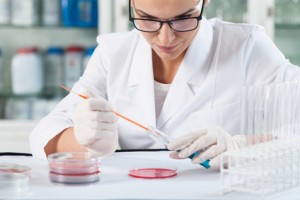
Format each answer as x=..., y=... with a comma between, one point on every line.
x=73, y=163
x=14, y=168
x=74, y=179
x=12, y=178
x=13, y=183
x=153, y=172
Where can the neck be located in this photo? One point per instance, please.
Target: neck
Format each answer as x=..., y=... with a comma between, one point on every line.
x=165, y=70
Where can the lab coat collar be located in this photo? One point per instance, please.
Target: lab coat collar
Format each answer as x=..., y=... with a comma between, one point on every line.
x=141, y=82
x=186, y=84
x=191, y=74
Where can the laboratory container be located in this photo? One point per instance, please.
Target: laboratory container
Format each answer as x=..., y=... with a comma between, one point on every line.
x=5, y=11
x=68, y=8
x=15, y=168
x=83, y=13
x=25, y=12
x=27, y=72
x=73, y=64
x=1, y=71
x=87, y=13
x=88, y=53
x=74, y=167
x=13, y=185
x=51, y=12
x=54, y=67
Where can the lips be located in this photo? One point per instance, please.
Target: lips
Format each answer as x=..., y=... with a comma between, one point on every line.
x=167, y=49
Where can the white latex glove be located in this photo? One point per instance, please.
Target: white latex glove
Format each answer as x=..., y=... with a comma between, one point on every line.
x=211, y=143
x=95, y=126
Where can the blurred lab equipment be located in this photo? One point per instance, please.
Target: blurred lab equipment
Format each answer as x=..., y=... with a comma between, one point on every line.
x=5, y=12
x=51, y=12
x=25, y=12
x=18, y=109
x=87, y=13
x=54, y=65
x=1, y=72
x=73, y=64
x=27, y=72
x=270, y=162
x=88, y=53
x=83, y=13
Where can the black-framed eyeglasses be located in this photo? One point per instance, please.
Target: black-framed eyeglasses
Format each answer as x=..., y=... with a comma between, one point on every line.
x=178, y=25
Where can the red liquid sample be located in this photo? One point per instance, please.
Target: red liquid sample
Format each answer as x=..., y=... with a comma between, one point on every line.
x=152, y=173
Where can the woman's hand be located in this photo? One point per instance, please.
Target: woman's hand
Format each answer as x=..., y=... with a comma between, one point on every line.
x=211, y=143
x=95, y=126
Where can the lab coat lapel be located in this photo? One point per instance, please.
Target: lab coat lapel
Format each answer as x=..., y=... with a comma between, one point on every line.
x=190, y=76
x=141, y=83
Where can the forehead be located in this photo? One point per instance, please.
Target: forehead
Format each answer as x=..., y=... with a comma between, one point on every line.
x=165, y=8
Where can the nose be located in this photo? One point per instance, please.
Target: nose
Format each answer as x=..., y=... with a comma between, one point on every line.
x=166, y=34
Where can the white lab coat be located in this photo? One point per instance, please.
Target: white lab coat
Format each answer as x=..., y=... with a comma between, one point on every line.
x=206, y=90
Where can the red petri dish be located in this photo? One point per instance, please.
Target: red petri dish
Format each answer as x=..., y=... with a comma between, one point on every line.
x=74, y=178
x=74, y=167
x=73, y=163
x=152, y=173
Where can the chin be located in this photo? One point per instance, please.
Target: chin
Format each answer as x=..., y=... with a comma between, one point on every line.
x=169, y=56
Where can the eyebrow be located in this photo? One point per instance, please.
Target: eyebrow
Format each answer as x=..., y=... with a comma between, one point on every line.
x=140, y=12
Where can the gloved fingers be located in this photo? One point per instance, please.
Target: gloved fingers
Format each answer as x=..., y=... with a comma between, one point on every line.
x=174, y=155
x=104, y=134
x=104, y=145
x=101, y=116
x=209, y=153
x=186, y=140
x=99, y=104
x=199, y=144
x=99, y=125
x=87, y=136
x=84, y=135
x=215, y=163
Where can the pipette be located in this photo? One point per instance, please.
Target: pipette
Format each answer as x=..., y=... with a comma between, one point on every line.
x=164, y=139
x=154, y=133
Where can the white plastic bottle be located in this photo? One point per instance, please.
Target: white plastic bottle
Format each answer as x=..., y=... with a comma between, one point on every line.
x=5, y=11
x=73, y=65
x=27, y=72
x=25, y=12
x=51, y=12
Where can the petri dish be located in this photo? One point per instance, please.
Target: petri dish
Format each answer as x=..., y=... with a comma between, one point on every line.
x=74, y=178
x=14, y=168
x=153, y=172
x=13, y=184
x=74, y=167
x=73, y=163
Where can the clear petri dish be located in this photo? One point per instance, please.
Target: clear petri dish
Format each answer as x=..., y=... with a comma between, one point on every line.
x=74, y=178
x=14, y=168
x=153, y=172
x=71, y=163
x=13, y=184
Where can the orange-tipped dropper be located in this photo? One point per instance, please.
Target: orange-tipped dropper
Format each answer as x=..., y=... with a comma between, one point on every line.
x=118, y=114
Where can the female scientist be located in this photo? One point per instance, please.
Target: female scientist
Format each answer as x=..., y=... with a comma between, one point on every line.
x=177, y=72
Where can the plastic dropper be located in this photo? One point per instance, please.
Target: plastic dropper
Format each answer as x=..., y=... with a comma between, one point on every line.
x=154, y=133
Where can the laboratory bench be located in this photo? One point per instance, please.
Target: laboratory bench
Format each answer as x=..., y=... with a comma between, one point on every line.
x=192, y=181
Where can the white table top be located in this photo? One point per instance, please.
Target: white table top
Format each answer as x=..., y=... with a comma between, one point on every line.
x=192, y=181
